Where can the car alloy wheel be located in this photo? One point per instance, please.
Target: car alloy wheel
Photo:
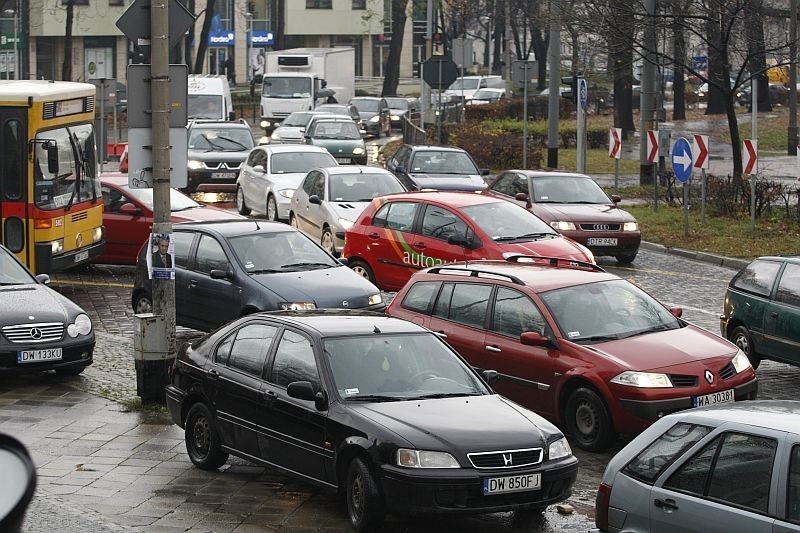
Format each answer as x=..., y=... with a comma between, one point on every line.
x=365, y=506
x=202, y=440
x=241, y=206
x=272, y=208
x=143, y=304
x=326, y=241
x=362, y=269
x=740, y=336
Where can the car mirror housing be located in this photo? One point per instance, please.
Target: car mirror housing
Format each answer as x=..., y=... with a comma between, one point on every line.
x=129, y=209
x=314, y=199
x=521, y=197
x=462, y=240
x=490, y=376
x=44, y=279
x=533, y=338
x=616, y=198
x=400, y=168
x=677, y=312
x=304, y=390
x=259, y=169
x=19, y=475
x=344, y=261
x=220, y=274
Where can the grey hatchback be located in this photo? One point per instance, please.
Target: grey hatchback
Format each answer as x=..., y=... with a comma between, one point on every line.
x=733, y=467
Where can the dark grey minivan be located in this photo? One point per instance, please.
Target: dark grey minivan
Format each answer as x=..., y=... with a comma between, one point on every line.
x=231, y=268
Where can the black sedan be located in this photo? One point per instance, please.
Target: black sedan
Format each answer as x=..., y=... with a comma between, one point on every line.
x=39, y=328
x=378, y=408
x=226, y=269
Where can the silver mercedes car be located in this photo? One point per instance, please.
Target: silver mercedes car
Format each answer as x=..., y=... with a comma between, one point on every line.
x=329, y=200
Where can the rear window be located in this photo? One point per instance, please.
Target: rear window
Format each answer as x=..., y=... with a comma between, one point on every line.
x=758, y=277
x=662, y=452
x=420, y=296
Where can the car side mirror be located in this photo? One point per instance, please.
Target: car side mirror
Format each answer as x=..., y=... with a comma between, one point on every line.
x=521, y=197
x=461, y=240
x=19, y=475
x=484, y=171
x=533, y=338
x=129, y=209
x=304, y=390
x=44, y=279
x=490, y=376
x=616, y=198
x=400, y=168
x=314, y=199
x=345, y=261
x=232, y=116
x=220, y=274
x=52, y=157
x=677, y=312
x=259, y=169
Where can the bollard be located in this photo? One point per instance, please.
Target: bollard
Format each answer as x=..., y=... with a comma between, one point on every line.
x=151, y=364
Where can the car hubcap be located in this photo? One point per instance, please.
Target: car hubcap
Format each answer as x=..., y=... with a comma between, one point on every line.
x=143, y=305
x=327, y=242
x=585, y=419
x=202, y=436
x=357, y=496
x=272, y=209
x=361, y=271
x=293, y=223
x=741, y=342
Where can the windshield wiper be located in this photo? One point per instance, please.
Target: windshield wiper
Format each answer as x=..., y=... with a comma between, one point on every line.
x=600, y=338
x=232, y=141
x=540, y=235
x=326, y=265
x=263, y=271
x=210, y=142
x=185, y=208
x=376, y=398
x=445, y=395
x=661, y=327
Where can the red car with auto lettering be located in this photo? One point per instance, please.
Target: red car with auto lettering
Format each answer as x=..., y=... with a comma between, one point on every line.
x=399, y=234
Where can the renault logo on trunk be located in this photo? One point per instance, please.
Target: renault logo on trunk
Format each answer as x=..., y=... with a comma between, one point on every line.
x=507, y=461
x=709, y=377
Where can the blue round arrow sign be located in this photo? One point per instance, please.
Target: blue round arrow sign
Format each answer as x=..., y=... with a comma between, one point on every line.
x=682, y=160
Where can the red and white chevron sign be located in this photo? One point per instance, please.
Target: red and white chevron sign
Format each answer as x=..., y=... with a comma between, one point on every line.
x=750, y=155
x=615, y=142
x=652, y=145
x=700, y=151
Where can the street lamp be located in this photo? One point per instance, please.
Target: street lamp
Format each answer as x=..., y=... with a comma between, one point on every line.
x=249, y=44
x=14, y=44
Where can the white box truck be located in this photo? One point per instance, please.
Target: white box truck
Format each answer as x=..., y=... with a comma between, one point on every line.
x=296, y=79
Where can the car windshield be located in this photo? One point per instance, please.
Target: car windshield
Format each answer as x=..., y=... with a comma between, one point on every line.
x=468, y=84
x=443, y=162
x=294, y=162
x=335, y=109
x=336, y=130
x=11, y=273
x=221, y=139
x=282, y=87
x=486, y=94
x=568, y=190
x=394, y=367
x=505, y=222
x=297, y=120
x=370, y=106
x=362, y=187
x=177, y=200
x=397, y=103
x=204, y=106
x=606, y=310
x=282, y=251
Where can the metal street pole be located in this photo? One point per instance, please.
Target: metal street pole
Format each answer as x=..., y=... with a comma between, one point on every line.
x=792, y=148
x=16, y=41
x=581, y=130
x=249, y=17
x=525, y=117
x=439, y=109
x=424, y=95
x=754, y=137
x=554, y=67
x=508, y=42
x=648, y=91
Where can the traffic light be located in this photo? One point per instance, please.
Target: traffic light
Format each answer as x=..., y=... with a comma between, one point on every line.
x=572, y=82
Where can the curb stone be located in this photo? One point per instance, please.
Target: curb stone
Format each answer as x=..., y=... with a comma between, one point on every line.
x=705, y=257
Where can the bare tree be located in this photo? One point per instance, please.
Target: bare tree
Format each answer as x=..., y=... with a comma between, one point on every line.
x=203, y=46
x=392, y=77
x=66, y=66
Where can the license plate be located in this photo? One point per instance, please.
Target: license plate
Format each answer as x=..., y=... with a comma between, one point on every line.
x=342, y=159
x=601, y=241
x=501, y=485
x=33, y=356
x=221, y=175
x=725, y=396
x=81, y=256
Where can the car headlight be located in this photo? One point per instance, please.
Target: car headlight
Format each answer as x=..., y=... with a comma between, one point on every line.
x=346, y=224
x=275, y=136
x=425, y=459
x=740, y=361
x=358, y=150
x=56, y=246
x=375, y=299
x=630, y=226
x=286, y=193
x=297, y=306
x=562, y=225
x=558, y=449
x=468, y=97
x=81, y=326
x=97, y=234
x=643, y=379
x=194, y=165
x=265, y=124
x=395, y=118
x=376, y=118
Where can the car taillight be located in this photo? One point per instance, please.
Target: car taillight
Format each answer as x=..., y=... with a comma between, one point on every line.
x=601, y=507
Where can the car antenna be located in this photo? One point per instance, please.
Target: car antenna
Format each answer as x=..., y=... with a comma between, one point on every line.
x=258, y=228
x=376, y=329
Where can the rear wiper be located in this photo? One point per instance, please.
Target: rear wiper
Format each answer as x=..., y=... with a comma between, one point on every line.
x=375, y=398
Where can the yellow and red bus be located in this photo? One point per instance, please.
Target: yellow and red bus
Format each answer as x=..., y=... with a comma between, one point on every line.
x=51, y=206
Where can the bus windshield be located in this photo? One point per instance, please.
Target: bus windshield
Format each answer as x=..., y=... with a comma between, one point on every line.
x=76, y=179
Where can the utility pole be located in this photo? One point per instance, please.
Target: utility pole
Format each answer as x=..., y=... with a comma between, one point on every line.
x=648, y=92
x=424, y=96
x=163, y=289
x=508, y=42
x=554, y=66
x=793, y=78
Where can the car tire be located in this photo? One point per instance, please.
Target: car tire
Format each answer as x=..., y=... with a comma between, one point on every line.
x=272, y=209
x=142, y=303
x=70, y=371
x=362, y=269
x=202, y=440
x=241, y=206
x=293, y=221
x=627, y=257
x=740, y=336
x=588, y=421
x=365, y=506
x=327, y=242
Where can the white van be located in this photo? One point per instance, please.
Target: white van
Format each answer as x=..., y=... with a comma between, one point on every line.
x=209, y=97
x=467, y=86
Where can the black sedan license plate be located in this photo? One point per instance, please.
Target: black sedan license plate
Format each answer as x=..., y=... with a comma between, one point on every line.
x=35, y=356
x=222, y=175
x=501, y=485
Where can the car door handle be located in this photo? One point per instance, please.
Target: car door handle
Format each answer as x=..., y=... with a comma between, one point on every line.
x=669, y=504
x=441, y=334
x=493, y=349
x=420, y=245
x=773, y=315
x=192, y=283
x=268, y=396
x=374, y=236
x=212, y=374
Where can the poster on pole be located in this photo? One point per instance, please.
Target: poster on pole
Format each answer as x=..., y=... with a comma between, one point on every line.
x=159, y=256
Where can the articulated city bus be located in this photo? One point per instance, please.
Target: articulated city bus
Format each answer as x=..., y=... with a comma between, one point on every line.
x=51, y=205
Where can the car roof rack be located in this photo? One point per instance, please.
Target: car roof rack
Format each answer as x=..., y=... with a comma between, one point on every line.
x=475, y=273
x=554, y=261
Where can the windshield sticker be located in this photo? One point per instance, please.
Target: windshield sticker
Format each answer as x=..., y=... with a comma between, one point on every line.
x=572, y=334
x=350, y=392
x=545, y=197
x=249, y=265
